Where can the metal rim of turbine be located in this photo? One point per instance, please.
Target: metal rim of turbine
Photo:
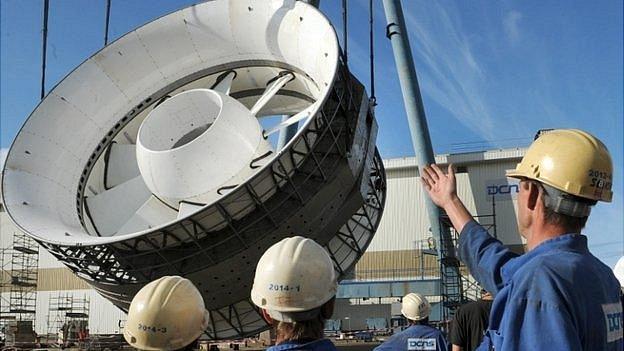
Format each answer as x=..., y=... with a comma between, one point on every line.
x=327, y=183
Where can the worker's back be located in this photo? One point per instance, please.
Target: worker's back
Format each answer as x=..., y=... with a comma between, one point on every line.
x=416, y=337
x=560, y=287
x=592, y=292
x=470, y=323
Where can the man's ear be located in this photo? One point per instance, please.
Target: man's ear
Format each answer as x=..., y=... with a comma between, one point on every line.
x=266, y=316
x=534, y=196
x=328, y=308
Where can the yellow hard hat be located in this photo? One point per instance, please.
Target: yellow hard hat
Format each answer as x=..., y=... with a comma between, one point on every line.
x=166, y=314
x=571, y=161
x=415, y=307
x=294, y=278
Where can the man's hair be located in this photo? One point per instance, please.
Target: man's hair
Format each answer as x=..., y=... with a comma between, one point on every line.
x=311, y=329
x=570, y=224
x=423, y=321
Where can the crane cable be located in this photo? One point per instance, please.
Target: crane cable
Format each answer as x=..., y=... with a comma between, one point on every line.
x=108, y=7
x=371, y=44
x=46, y=6
x=345, y=31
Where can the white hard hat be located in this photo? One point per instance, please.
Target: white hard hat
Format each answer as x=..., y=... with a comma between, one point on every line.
x=293, y=279
x=415, y=307
x=166, y=314
x=618, y=270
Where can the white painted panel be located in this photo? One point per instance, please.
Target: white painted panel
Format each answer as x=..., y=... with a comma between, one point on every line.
x=171, y=50
x=248, y=32
x=92, y=92
x=152, y=213
x=122, y=164
x=114, y=207
x=211, y=34
x=186, y=209
x=318, y=58
x=25, y=199
x=130, y=66
x=282, y=42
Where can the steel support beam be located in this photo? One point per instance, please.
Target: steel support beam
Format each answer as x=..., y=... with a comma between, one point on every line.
x=396, y=31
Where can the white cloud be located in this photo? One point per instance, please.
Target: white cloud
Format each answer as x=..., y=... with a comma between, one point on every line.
x=453, y=76
x=511, y=25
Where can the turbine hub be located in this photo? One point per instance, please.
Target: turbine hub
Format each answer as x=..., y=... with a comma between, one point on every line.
x=196, y=142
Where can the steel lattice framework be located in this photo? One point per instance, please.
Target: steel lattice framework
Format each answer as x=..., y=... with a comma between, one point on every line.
x=327, y=183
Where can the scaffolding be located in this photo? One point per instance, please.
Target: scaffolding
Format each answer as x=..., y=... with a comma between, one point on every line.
x=5, y=284
x=458, y=286
x=68, y=317
x=24, y=270
x=19, y=281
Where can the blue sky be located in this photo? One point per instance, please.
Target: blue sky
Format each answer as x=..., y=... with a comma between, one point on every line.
x=491, y=72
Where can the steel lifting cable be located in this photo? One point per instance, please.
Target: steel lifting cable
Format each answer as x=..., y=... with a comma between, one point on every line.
x=345, y=31
x=108, y=7
x=371, y=38
x=46, y=6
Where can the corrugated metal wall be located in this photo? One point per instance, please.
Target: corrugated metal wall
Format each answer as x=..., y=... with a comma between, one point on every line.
x=104, y=317
x=398, y=265
x=405, y=224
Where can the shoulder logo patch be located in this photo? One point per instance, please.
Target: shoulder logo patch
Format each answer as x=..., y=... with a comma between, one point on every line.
x=613, y=318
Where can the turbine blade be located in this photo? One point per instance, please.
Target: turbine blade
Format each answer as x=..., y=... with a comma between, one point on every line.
x=224, y=83
x=272, y=88
x=187, y=208
x=121, y=164
x=152, y=213
x=110, y=209
x=292, y=120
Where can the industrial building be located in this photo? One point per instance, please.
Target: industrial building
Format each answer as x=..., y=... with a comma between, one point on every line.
x=401, y=258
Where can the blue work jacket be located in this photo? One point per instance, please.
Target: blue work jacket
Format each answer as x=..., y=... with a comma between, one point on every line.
x=557, y=296
x=316, y=345
x=417, y=338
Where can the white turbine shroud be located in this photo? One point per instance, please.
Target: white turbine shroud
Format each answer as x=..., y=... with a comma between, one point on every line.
x=195, y=143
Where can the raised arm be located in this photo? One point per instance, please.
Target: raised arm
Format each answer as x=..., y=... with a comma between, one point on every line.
x=483, y=254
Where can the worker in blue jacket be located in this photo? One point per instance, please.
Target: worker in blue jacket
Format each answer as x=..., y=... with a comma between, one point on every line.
x=419, y=336
x=557, y=296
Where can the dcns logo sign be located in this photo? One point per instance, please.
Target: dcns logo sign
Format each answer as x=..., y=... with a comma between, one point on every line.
x=421, y=344
x=501, y=189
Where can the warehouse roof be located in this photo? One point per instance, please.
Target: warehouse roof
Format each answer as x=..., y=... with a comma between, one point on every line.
x=460, y=158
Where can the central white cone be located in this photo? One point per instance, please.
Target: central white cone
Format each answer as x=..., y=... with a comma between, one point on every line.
x=195, y=143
